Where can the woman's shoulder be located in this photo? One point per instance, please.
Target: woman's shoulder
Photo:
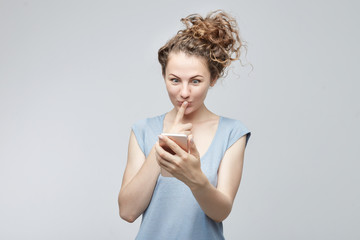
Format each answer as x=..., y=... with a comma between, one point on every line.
x=234, y=129
x=233, y=123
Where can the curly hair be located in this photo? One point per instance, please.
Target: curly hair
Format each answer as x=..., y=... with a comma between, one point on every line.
x=215, y=38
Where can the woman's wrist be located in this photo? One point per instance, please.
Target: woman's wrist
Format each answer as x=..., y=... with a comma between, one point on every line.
x=201, y=182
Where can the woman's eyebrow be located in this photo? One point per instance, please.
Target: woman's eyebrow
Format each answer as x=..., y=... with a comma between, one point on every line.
x=173, y=75
x=196, y=76
x=190, y=78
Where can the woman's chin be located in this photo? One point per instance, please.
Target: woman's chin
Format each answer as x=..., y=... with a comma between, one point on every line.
x=188, y=111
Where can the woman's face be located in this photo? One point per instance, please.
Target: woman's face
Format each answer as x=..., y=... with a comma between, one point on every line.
x=187, y=78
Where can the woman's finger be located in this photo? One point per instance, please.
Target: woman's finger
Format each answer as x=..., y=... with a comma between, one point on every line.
x=187, y=133
x=180, y=113
x=187, y=126
x=162, y=152
x=166, y=165
x=173, y=146
x=163, y=163
x=192, y=147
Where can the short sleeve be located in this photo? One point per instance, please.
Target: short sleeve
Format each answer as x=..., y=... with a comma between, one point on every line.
x=139, y=130
x=238, y=130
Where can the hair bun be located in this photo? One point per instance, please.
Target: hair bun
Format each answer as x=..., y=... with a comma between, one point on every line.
x=216, y=28
x=215, y=37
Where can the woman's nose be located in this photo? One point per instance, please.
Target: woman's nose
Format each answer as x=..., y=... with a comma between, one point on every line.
x=185, y=91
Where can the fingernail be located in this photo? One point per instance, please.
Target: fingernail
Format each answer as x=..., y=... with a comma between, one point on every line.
x=161, y=137
x=185, y=103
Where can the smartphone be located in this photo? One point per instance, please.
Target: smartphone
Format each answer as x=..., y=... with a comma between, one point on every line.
x=179, y=139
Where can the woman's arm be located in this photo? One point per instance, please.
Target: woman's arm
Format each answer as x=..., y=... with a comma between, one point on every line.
x=141, y=174
x=138, y=182
x=216, y=202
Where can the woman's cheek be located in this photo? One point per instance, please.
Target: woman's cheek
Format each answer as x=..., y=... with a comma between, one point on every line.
x=173, y=99
x=191, y=108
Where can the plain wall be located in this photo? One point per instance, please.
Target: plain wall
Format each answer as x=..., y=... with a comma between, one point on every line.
x=75, y=75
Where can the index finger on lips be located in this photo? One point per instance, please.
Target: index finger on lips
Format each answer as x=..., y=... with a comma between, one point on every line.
x=180, y=113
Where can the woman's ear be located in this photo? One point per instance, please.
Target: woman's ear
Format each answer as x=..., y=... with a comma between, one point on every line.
x=212, y=83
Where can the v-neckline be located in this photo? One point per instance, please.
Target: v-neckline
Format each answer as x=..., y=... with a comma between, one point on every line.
x=212, y=141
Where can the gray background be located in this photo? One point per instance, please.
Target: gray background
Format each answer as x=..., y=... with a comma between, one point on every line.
x=75, y=75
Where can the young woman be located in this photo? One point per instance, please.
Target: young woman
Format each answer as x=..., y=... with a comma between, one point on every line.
x=193, y=203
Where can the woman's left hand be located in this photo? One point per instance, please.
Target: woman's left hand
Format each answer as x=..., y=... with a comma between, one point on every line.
x=183, y=165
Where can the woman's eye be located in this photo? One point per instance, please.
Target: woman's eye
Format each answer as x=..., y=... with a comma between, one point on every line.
x=174, y=80
x=195, y=81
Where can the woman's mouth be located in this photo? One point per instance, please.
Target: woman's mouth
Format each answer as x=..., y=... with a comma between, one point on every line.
x=181, y=103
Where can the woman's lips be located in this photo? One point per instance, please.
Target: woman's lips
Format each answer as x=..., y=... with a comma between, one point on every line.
x=181, y=102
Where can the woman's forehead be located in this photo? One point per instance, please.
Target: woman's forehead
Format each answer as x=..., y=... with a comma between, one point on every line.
x=186, y=65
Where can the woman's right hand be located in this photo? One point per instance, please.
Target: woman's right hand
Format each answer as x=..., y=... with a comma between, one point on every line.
x=179, y=126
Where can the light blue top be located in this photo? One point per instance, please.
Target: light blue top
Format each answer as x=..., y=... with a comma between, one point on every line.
x=173, y=212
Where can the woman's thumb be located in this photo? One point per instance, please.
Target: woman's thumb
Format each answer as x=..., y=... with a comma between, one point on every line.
x=192, y=146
